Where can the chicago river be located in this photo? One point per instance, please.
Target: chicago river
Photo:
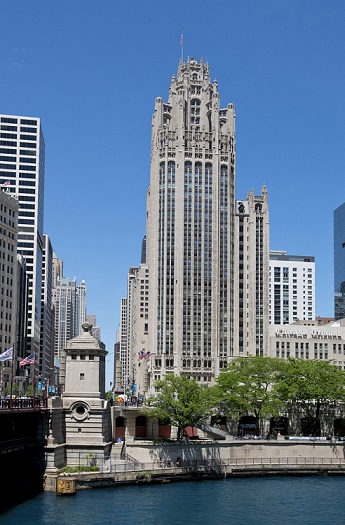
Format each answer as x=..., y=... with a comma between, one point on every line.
x=312, y=500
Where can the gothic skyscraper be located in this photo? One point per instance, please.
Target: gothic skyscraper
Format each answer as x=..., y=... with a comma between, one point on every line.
x=201, y=296
x=190, y=227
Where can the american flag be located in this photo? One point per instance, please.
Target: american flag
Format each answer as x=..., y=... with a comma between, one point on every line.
x=143, y=355
x=28, y=360
x=8, y=354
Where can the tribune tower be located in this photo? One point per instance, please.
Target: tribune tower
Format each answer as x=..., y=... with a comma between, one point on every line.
x=190, y=227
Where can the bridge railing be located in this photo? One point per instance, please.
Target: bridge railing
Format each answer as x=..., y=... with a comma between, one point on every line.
x=23, y=404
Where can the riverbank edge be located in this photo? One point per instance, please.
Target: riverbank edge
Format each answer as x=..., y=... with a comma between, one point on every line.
x=106, y=480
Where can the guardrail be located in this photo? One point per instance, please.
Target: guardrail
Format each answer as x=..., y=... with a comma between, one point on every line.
x=109, y=466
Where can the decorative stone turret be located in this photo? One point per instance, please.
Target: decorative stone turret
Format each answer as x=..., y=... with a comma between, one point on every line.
x=86, y=413
x=85, y=366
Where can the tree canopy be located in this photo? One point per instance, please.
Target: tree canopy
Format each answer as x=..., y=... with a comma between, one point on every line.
x=247, y=386
x=310, y=383
x=263, y=386
x=181, y=401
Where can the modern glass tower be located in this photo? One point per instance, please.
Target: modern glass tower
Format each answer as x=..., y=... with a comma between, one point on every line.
x=190, y=227
x=22, y=162
x=339, y=262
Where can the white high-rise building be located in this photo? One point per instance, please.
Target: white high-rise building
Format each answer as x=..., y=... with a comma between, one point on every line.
x=292, y=288
x=22, y=161
x=81, y=307
x=65, y=306
x=69, y=301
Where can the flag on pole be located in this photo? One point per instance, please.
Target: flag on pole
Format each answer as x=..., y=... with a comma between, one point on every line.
x=7, y=183
x=143, y=355
x=28, y=360
x=8, y=354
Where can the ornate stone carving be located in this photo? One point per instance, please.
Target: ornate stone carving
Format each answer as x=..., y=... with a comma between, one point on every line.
x=87, y=327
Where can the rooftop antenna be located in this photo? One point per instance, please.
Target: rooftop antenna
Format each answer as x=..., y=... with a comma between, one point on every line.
x=181, y=45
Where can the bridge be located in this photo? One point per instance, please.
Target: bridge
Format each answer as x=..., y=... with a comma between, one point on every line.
x=18, y=404
x=23, y=431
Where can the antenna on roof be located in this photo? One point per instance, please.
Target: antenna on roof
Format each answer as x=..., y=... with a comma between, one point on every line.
x=181, y=45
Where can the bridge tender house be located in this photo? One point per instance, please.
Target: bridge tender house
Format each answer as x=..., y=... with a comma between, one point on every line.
x=309, y=341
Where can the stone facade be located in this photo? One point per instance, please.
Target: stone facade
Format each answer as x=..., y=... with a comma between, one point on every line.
x=81, y=420
x=309, y=340
x=194, y=318
x=8, y=289
x=252, y=276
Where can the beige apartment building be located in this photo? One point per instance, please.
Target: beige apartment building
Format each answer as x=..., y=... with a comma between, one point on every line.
x=8, y=278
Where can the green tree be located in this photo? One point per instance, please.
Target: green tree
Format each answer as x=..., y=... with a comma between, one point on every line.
x=181, y=401
x=311, y=384
x=109, y=395
x=248, y=385
x=29, y=391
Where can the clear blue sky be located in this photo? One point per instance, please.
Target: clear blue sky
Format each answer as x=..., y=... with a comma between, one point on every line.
x=92, y=70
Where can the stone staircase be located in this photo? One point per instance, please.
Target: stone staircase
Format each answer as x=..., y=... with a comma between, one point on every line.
x=119, y=461
x=213, y=432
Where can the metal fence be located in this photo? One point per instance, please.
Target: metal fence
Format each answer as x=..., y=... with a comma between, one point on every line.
x=114, y=464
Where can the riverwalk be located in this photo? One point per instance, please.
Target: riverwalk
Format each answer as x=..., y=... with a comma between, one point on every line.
x=144, y=463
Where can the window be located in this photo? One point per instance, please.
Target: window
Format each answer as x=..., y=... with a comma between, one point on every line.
x=195, y=111
x=27, y=137
x=9, y=120
x=28, y=122
x=28, y=130
x=82, y=376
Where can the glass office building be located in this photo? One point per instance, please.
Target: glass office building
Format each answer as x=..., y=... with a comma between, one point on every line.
x=339, y=262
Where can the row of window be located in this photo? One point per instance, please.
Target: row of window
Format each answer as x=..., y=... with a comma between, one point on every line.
x=83, y=356
x=13, y=136
x=23, y=129
x=22, y=167
x=13, y=120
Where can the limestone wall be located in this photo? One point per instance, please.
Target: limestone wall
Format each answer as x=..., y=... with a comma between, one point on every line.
x=230, y=452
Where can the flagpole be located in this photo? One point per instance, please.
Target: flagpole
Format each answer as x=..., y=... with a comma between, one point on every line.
x=11, y=392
